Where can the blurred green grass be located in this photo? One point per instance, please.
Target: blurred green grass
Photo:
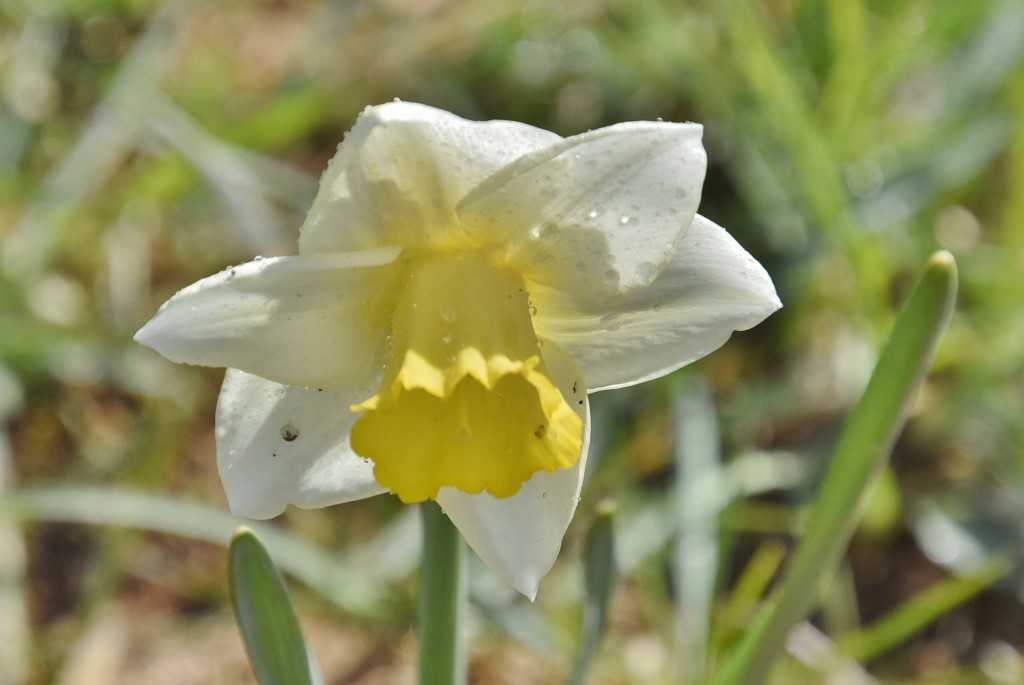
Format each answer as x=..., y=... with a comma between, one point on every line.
x=144, y=145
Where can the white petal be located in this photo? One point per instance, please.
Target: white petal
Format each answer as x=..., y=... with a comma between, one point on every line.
x=284, y=444
x=597, y=215
x=711, y=288
x=518, y=537
x=400, y=172
x=318, y=321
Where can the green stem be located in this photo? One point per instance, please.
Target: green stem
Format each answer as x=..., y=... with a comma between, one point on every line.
x=442, y=601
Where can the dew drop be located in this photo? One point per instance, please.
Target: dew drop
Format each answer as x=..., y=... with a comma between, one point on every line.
x=625, y=219
x=449, y=315
x=544, y=231
x=533, y=310
x=645, y=273
x=610, y=277
x=593, y=214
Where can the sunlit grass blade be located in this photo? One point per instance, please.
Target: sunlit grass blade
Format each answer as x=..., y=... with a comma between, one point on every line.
x=15, y=624
x=700, y=490
x=599, y=584
x=767, y=69
x=856, y=464
x=442, y=602
x=920, y=610
x=337, y=579
x=265, y=616
x=740, y=604
x=843, y=88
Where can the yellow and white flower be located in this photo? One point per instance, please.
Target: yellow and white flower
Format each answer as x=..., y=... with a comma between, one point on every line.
x=459, y=289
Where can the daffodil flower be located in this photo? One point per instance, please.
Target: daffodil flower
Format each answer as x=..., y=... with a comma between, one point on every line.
x=459, y=289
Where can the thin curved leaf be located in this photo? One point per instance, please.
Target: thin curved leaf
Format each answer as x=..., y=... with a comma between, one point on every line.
x=265, y=617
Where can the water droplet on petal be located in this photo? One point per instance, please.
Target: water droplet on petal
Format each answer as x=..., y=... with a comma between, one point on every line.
x=625, y=219
x=545, y=231
x=593, y=214
x=610, y=277
x=449, y=315
x=533, y=310
x=645, y=273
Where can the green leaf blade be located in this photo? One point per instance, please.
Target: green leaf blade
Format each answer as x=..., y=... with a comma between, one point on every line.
x=915, y=614
x=857, y=462
x=599, y=586
x=264, y=614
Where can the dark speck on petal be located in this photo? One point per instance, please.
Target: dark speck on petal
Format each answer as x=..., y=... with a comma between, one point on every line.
x=289, y=432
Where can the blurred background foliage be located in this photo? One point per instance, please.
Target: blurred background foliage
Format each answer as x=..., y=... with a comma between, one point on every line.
x=146, y=144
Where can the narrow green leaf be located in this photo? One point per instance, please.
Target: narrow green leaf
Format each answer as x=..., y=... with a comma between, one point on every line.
x=599, y=585
x=341, y=579
x=920, y=610
x=268, y=624
x=856, y=464
x=757, y=575
x=851, y=67
x=700, y=493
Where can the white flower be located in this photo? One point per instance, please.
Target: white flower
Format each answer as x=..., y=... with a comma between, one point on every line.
x=460, y=287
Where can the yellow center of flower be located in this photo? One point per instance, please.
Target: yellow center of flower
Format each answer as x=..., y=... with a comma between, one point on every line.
x=466, y=401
